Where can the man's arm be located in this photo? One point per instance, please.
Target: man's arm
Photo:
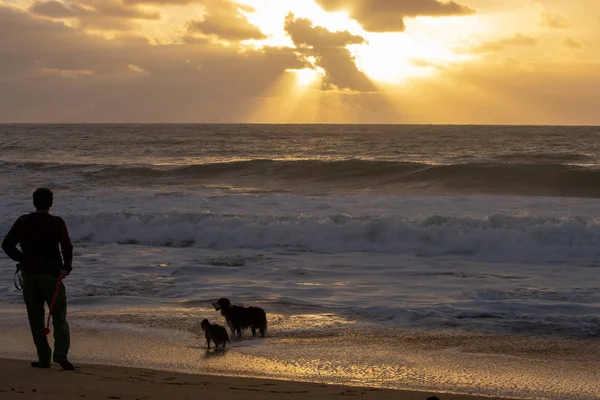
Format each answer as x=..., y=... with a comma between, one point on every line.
x=66, y=247
x=9, y=244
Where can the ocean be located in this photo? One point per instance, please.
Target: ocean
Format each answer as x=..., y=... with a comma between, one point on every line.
x=388, y=256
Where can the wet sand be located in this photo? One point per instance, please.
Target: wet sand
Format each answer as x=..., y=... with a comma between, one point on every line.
x=508, y=366
x=19, y=381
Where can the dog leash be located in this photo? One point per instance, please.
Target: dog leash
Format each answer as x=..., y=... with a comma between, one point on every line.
x=17, y=278
x=47, y=329
x=19, y=286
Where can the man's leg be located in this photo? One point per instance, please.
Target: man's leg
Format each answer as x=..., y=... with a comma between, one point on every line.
x=34, y=296
x=62, y=338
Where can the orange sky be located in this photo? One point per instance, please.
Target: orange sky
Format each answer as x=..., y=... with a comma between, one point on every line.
x=288, y=61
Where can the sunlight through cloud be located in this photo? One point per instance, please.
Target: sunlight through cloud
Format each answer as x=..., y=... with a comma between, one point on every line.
x=307, y=76
x=385, y=57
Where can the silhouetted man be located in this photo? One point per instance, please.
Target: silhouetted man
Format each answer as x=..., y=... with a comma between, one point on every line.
x=39, y=234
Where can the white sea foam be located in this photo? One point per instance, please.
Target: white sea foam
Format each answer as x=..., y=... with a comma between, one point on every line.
x=494, y=263
x=484, y=228
x=493, y=238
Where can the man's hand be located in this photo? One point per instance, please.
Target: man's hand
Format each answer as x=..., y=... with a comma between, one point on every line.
x=64, y=273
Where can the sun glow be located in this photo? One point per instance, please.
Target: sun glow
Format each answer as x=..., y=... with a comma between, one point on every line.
x=387, y=58
x=307, y=76
x=394, y=57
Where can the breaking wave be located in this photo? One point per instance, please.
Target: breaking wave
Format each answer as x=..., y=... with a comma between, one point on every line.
x=496, y=237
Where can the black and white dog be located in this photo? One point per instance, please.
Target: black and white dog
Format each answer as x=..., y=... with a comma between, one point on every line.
x=239, y=317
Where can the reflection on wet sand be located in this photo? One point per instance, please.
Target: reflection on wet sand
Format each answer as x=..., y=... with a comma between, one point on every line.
x=333, y=348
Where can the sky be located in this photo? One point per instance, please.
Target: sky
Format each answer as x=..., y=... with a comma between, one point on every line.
x=301, y=61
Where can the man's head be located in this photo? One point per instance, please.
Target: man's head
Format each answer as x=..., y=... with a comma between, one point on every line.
x=42, y=199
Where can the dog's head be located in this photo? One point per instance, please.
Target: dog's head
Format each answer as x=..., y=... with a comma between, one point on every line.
x=222, y=304
x=204, y=324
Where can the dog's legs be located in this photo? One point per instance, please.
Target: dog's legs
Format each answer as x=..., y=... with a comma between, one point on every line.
x=262, y=331
x=208, y=343
x=253, y=328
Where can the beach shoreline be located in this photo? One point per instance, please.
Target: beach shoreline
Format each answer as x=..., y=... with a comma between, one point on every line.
x=19, y=381
x=490, y=366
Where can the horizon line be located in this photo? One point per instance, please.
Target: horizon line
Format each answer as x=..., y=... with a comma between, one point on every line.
x=303, y=123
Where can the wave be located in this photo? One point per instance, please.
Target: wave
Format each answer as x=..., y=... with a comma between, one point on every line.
x=551, y=158
x=534, y=179
x=496, y=237
x=11, y=166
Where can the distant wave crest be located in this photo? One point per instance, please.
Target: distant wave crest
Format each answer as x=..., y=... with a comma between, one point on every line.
x=518, y=178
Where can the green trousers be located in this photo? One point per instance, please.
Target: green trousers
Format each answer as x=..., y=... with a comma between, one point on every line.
x=38, y=290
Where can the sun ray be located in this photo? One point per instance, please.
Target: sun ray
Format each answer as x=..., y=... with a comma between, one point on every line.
x=292, y=98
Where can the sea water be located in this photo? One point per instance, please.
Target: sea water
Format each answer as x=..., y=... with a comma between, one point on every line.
x=366, y=245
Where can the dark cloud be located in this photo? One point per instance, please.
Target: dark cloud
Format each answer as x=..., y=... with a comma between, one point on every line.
x=224, y=19
x=389, y=15
x=554, y=20
x=330, y=52
x=95, y=14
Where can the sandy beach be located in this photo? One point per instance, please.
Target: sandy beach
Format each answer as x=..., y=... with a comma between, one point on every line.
x=397, y=362
x=19, y=381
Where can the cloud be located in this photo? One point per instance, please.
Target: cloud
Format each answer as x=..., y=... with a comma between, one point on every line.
x=572, y=44
x=56, y=9
x=330, y=52
x=95, y=14
x=67, y=73
x=553, y=20
x=389, y=15
x=493, y=46
x=498, y=92
x=51, y=72
x=224, y=19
